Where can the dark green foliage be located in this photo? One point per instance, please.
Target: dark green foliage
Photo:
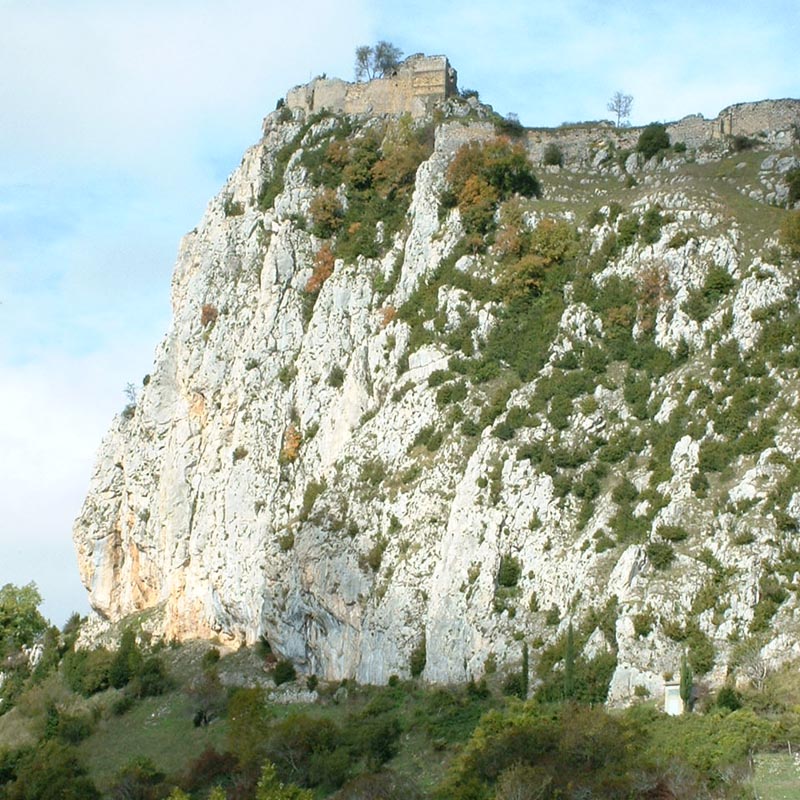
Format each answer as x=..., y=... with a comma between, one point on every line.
x=790, y=233
x=792, y=180
x=373, y=472
x=701, y=303
x=660, y=554
x=569, y=664
x=741, y=142
x=672, y=533
x=451, y=393
x=310, y=495
x=509, y=126
x=553, y=155
x=429, y=437
x=417, y=659
x=509, y=572
x=714, y=456
x=643, y=623
x=88, y=671
x=729, y=698
x=284, y=672
x=687, y=680
x=127, y=661
x=770, y=596
x=652, y=221
x=374, y=556
x=51, y=772
x=652, y=140
x=627, y=230
x=569, y=751
x=151, y=679
x=701, y=650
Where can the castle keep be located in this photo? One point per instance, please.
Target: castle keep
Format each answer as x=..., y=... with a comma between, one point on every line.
x=414, y=88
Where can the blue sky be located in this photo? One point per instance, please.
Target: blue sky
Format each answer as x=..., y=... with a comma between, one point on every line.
x=119, y=121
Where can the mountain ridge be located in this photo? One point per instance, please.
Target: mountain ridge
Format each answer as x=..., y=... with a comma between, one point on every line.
x=343, y=448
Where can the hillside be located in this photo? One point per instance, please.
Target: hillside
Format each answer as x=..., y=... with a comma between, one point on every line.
x=427, y=402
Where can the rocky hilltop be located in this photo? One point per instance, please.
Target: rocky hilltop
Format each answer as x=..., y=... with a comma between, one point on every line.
x=426, y=402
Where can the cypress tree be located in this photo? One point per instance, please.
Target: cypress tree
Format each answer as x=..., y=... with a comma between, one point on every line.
x=687, y=679
x=569, y=664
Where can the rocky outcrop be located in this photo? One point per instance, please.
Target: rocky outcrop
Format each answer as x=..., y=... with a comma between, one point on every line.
x=290, y=470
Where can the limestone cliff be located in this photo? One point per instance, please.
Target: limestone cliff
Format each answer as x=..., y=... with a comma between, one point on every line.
x=341, y=449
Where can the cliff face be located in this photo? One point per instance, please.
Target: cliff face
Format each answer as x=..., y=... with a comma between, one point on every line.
x=355, y=465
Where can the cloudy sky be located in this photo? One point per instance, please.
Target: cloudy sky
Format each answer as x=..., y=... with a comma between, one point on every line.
x=119, y=120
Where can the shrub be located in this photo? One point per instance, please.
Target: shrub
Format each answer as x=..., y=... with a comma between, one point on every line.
x=418, y=658
x=152, y=679
x=652, y=140
x=643, y=623
x=792, y=179
x=336, y=376
x=627, y=229
x=790, y=233
x=553, y=155
x=509, y=572
x=553, y=616
x=651, y=225
x=672, y=533
x=660, y=554
x=208, y=315
x=741, y=142
x=485, y=173
x=232, y=208
x=87, y=671
x=284, y=672
x=374, y=557
x=291, y=444
x=323, y=268
x=326, y=213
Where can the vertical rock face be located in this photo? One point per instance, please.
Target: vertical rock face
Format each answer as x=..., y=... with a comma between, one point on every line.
x=296, y=468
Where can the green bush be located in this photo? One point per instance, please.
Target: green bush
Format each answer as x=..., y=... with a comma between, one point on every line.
x=792, y=179
x=509, y=571
x=741, y=142
x=660, y=554
x=652, y=221
x=336, y=376
x=553, y=155
x=790, y=233
x=672, y=533
x=418, y=658
x=284, y=672
x=652, y=140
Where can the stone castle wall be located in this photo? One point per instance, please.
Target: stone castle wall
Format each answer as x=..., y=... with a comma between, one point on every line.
x=775, y=121
x=418, y=84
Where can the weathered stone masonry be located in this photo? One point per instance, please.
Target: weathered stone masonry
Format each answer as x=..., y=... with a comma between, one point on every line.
x=418, y=84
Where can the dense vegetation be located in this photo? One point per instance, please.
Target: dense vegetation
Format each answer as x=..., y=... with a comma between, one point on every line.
x=148, y=720
x=81, y=724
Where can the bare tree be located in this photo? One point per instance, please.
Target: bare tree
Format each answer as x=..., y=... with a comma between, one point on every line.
x=376, y=62
x=620, y=104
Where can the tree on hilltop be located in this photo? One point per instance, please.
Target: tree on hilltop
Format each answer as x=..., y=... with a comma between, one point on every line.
x=620, y=104
x=378, y=61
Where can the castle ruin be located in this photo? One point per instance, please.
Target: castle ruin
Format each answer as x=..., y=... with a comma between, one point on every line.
x=415, y=87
